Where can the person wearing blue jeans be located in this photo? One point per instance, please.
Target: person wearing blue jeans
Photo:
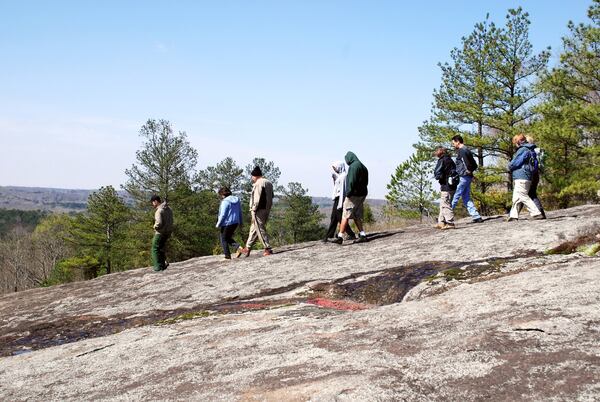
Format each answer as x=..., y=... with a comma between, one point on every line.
x=465, y=166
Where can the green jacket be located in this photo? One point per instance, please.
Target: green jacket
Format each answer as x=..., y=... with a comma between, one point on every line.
x=357, y=178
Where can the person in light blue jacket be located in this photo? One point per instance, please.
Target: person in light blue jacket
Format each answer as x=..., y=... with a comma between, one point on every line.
x=230, y=217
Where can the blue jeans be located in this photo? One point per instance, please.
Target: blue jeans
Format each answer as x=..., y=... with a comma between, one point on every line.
x=464, y=191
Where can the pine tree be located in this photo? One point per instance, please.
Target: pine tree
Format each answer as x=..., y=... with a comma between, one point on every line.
x=164, y=163
x=298, y=219
x=569, y=130
x=225, y=174
x=515, y=67
x=410, y=189
x=98, y=232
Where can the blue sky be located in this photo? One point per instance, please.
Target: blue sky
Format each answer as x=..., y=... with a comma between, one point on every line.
x=296, y=82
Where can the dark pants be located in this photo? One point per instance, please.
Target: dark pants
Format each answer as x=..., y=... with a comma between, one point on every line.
x=535, y=180
x=227, y=239
x=159, y=245
x=336, y=217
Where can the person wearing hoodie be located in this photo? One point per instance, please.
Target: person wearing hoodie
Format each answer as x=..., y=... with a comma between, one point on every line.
x=163, y=227
x=356, y=192
x=445, y=174
x=230, y=217
x=339, y=186
x=261, y=201
x=522, y=167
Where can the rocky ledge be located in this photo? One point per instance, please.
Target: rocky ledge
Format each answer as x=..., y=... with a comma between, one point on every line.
x=495, y=311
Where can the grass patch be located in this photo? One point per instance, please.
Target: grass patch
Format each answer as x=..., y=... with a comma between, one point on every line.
x=185, y=317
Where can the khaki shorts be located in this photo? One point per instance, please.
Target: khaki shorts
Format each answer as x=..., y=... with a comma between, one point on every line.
x=353, y=207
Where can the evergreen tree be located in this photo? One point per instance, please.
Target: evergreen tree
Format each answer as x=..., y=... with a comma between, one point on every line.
x=98, y=232
x=515, y=66
x=464, y=105
x=225, y=174
x=410, y=189
x=297, y=219
x=165, y=162
x=569, y=130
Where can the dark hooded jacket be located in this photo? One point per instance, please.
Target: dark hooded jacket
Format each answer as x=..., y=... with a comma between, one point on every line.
x=357, y=178
x=444, y=169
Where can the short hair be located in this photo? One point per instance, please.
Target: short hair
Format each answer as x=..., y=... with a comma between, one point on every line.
x=519, y=139
x=440, y=151
x=155, y=198
x=458, y=138
x=224, y=192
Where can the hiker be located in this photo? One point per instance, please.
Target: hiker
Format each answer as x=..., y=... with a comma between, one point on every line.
x=522, y=166
x=445, y=174
x=163, y=227
x=339, y=186
x=465, y=166
x=535, y=177
x=230, y=217
x=261, y=201
x=356, y=192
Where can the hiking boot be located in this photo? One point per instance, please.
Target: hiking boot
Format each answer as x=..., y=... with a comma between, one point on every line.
x=351, y=237
x=267, y=252
x=538, y=217
x=228, y=257
x=361, y=239
x=440, y=225
x=325, y=240
x=338, y=240
x=448, y=226
x=509, y=219
x=478, y=220
x=245, y=251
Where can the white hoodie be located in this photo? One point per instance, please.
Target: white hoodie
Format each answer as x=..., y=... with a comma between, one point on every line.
x=339, y=182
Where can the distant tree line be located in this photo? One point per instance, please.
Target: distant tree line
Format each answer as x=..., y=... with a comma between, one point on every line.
x=496, y=86
x=112, y=235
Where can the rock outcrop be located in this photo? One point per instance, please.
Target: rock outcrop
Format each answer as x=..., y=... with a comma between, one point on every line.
x=484, y=311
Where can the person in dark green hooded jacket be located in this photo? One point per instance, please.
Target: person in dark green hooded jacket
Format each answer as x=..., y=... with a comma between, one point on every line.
x=357, y=181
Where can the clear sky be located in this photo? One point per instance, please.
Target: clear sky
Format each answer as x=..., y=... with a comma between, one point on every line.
x=296, y=82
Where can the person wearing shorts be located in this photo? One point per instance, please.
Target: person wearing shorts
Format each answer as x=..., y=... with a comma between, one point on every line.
x=357, y=181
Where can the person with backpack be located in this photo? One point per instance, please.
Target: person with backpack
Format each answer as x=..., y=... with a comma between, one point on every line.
x=535, y=178
x=522, y=167
x=445, y=174
x=230, y=217
x=465, y=166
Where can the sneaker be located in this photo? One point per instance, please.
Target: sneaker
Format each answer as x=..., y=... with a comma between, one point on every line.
x=538, y=217
x=440, y=225
x=361, y=239
x=351, y=237
x=478, y=220
x=267, y=252
x=448, y=226
x=338, y=240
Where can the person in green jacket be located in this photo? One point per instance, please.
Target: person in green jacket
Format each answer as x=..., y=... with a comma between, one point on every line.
x=357, y=181
x=163, y=227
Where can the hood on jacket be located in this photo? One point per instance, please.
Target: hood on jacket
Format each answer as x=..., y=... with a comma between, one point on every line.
x=351, y=158
x=339, y=167
x=233, y=199
x=531, y=147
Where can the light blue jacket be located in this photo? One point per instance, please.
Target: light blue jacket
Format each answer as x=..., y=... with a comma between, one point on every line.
x=519, y=166
x=230, y=212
